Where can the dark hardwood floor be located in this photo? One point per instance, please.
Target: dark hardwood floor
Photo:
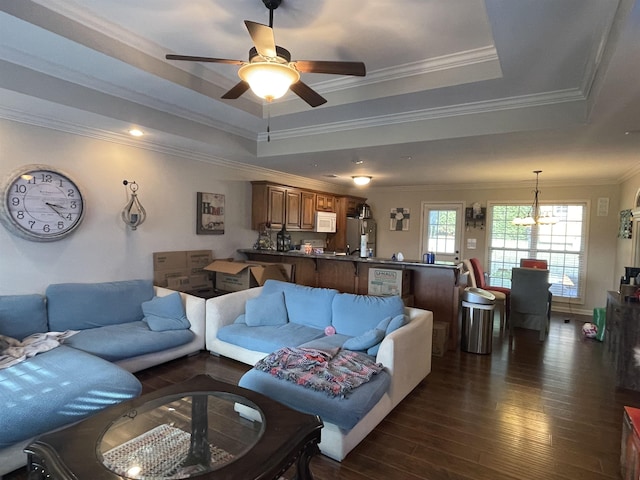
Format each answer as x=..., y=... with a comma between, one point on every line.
x=530, y=410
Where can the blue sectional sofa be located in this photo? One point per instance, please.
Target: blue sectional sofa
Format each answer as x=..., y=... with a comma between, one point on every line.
x=122, y=327
x=250, y=324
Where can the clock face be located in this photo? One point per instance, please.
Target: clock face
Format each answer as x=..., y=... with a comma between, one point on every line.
x=41, y=203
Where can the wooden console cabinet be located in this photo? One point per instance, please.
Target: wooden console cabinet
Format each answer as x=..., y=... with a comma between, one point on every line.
x=622, y=335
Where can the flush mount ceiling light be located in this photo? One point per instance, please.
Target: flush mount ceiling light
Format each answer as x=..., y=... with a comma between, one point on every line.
x=361, y=179
x=535, y=217
x=135, y=132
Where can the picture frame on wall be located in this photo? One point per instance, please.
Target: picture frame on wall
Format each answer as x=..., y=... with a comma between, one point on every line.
x=210, y=214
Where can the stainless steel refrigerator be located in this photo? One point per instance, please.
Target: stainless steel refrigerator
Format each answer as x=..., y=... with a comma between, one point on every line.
x=355, y=228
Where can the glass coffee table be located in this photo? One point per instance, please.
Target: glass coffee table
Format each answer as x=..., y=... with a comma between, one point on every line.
x=201, y=428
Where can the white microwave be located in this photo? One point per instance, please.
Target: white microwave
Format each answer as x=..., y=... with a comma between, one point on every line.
x=326, y=222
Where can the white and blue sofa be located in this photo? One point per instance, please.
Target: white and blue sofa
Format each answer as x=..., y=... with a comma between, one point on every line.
x=122, y=327
x=250, y=324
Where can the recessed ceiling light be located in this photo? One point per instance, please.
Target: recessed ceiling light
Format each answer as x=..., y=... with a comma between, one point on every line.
x=330, y=175
x=357, y=161
x=134, y=132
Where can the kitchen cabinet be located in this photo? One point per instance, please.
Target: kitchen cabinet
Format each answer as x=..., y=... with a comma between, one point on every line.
x=351, y=205
x=325, y=202
x=308, y=211
x=278, y=204
x=346, y=206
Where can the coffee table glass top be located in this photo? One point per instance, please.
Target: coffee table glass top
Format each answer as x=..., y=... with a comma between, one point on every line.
x=180, y=436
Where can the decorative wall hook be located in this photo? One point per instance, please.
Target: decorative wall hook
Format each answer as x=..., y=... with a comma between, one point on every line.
x=133, y=213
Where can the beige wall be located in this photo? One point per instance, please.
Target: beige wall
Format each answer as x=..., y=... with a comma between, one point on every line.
x=624, y=258
x=602, y=230
x=103, y=248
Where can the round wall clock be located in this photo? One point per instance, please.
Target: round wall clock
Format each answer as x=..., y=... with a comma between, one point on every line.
x=41, y=203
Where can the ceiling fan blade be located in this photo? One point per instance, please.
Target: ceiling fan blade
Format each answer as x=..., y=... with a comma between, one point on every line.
x=263, y=38
x=306, y=93
x=237, y=90
x=203, y=59
x=335, y=68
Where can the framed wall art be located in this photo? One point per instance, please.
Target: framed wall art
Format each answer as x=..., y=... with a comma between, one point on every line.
x=400, y=219
x=210, y=214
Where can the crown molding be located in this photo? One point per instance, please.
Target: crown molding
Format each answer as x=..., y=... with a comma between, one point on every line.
x=509, y=103
x=250, y=172
x=421, y=67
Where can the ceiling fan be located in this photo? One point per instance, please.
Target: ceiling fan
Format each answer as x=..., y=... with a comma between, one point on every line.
x=270, y=73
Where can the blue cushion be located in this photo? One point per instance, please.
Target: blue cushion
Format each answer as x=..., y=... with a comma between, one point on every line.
x=327, y=343
x=165, y=313
x=397, y=322
x=241, y=319
x=345, y=412
x=355, y=314
x=392, y=324
x=76, y=306
x=22, y=315
x=57, y=388
x=305, y=305
x=268, y=338
x=266, y=309
x=127, y=340
x=367, y=340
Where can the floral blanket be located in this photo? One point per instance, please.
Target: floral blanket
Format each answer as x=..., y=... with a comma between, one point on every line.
x=335, y=372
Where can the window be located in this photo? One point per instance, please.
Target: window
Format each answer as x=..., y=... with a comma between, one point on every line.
x=562, y=245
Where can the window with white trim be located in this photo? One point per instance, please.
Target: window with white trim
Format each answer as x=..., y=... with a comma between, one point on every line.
x=562, y=245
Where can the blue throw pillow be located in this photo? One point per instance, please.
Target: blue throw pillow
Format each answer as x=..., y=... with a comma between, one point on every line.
x=388, y=325
x=165, y=313
x=365, y=341
x=396, y=323
x=267, y=309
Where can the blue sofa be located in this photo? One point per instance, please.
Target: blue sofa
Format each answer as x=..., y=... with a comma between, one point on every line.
x=250, y=324
x=122, y=327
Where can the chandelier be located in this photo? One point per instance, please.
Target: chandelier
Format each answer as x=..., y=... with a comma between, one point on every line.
x=535, y=217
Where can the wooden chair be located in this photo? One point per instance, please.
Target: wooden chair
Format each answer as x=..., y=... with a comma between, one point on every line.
x=530, y=299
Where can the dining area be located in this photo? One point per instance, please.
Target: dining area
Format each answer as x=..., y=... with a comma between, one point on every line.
x=526, y=303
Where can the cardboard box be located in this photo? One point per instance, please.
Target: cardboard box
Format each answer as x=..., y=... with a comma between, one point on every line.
x=182, y=270
x=440, y=338
x=235, y=276
x=386, y=281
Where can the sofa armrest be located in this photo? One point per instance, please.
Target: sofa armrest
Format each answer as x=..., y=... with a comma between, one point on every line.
x=406, y=353
x=224, y=310
x=195, y=310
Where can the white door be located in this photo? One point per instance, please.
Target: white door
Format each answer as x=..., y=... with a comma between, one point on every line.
x=442, y=231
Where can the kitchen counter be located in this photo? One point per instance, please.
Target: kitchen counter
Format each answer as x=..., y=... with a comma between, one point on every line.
x=348, y=258
x=432, y=287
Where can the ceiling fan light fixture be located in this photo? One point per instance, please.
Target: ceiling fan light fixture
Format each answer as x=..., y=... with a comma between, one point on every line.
x=269, y=80
x=361, y=179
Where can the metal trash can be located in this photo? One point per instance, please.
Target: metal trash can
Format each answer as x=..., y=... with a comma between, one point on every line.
x=477, y=320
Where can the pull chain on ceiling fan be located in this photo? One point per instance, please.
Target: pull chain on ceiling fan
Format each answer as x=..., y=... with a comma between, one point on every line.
x=270, y=73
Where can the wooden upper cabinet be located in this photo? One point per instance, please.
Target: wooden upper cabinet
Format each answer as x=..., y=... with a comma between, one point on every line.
x=352, y=205
x=308, y=211
x=279, y=204
x=325, y=202
x=293, y=209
